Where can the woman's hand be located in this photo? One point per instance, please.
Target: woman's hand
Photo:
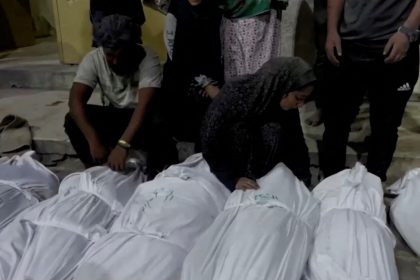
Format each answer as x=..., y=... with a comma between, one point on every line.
x=212, y=91
x=117, y=158
x=246, y=184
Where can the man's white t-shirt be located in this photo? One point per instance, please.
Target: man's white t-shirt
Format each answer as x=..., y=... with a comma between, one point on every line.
x=119, y=91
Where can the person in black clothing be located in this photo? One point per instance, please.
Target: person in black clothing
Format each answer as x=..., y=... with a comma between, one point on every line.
x=371, y=47
x=193, y=70
x=253, y=124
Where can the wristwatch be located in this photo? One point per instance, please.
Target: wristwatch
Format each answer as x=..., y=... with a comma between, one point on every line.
x=412, y=34
x=124, y=144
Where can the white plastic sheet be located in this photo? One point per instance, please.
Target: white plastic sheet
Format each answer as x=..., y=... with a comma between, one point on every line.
x=47, y=240
x=405, y=209
x=265, y=234
x=158, y=226
x=23, y=182
x=353, y=241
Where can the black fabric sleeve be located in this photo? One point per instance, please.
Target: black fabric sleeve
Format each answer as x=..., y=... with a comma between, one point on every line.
x=226, y=110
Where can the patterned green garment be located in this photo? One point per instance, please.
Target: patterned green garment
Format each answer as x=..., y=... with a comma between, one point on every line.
x=250, y=8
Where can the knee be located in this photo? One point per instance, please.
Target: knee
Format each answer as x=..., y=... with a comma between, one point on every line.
x=67, y=120
x=69, y=123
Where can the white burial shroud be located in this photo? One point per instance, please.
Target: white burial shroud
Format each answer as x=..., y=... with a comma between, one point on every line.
x=158, y=226
x=353, y=241
x=405, y=209
x=264, y=234
x=23, y=182
x=47, y=240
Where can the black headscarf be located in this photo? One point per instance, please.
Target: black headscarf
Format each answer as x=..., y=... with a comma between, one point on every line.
x=255, y=94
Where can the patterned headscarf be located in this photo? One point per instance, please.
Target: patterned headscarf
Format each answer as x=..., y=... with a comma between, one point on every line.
x=253, y=100
x=275, y=79
x=116, y=31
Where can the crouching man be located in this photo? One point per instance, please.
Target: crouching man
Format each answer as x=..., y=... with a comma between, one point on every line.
x=129, y=76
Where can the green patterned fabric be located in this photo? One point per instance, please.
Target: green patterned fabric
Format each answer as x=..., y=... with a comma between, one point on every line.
x=250, y=8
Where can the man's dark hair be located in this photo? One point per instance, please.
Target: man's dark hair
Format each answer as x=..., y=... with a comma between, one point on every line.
x=116, y=31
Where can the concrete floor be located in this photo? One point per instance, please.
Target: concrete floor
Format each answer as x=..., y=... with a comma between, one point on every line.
x=44, y=105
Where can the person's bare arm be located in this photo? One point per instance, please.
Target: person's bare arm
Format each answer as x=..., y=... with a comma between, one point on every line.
x=333, y=42
x=119, y=154
x=145, y=97
x=397, y=46
x=335, y=11
x=413, y=21
x=79, y=96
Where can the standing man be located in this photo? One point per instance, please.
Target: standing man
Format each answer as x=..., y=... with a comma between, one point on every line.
x=371, y=46
x=129, y=76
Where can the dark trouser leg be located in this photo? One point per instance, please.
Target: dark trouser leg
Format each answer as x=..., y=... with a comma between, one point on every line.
x=319, y=90
x=160, y=141
x=320, y=24
x=109, y=124
x=296, y=155
x=161, y=147
x=344, y=97
x=182, y=110
x=78, y=140
x=389, y=92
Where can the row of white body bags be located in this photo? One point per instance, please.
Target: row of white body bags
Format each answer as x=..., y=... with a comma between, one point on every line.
x=47, y=240
x=405, y=209
x=353, y=241
x=264, y=234
x=158, y=226
x=23, y=182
